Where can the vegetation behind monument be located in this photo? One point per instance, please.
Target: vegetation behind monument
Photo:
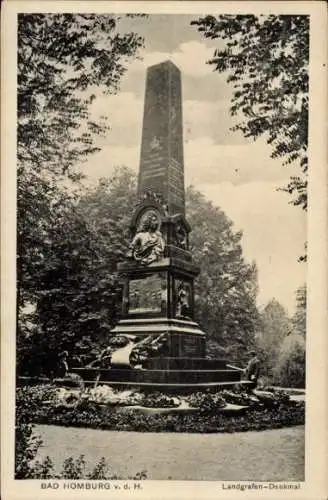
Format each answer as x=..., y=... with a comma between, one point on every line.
x=63, y=61
x=281, y=340
x=70, y=241
x=79, y=292
x=265, y=59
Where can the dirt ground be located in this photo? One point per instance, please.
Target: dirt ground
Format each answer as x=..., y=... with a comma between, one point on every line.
x=272, y=455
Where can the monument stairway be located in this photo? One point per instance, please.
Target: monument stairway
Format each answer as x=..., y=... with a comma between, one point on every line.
x=168, y=374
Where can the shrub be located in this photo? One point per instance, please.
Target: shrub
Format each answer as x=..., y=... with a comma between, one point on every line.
x=264, y=412
x=26, y=448
x=159, y=400
x=29, y=407
x=206, y=402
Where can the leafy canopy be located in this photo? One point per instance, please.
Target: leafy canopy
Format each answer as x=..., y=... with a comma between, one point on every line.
x=76, y=290
x=266, y=61
x=226, y=288
x=62, y=60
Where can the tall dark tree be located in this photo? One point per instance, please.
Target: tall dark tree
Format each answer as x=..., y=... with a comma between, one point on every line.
x=266, y=61
x=63, y=61
x=226, y=288
x=275, y=326
x=78, y=292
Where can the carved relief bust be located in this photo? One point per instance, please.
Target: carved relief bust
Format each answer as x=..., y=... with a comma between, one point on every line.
x=148, y=244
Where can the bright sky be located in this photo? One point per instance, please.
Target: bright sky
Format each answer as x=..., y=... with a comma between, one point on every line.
x=236, y=174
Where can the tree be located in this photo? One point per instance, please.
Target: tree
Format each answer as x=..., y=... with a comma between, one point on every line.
x=266, y=59
x=63, y=60
x=275, y=326
x=78, y=292
x=290, y=368
x=226, y=288
x=299, y=318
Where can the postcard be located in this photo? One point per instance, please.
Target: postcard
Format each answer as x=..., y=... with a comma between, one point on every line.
x=164, y=236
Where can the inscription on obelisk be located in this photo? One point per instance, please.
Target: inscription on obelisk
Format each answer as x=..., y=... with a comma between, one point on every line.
x=161, y=160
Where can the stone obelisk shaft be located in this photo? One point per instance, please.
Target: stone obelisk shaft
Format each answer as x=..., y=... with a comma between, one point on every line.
x=161, y=160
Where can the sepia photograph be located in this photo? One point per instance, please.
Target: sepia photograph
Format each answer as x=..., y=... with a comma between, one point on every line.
x=162, y=248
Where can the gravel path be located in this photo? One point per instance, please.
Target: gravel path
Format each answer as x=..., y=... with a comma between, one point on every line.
x=272, y=455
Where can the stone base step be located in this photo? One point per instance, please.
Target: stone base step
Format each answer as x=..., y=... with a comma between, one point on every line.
x=170, y=363
x=159, y=376
x=173, y=388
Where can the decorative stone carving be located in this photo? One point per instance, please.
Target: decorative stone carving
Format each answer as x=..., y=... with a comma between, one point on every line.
x=145, y=294
x=148, y=244
x=153, y=197
x=181, y=237
x=152, y=346
x=183, y=300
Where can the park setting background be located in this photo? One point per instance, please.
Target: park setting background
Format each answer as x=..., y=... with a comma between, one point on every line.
x=286, y=298
x=71, y=234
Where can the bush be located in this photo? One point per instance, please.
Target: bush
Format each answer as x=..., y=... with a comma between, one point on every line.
x=30, y=404
x=206, y=402
x=159, y=400
x=26, y=448
x=263, y=412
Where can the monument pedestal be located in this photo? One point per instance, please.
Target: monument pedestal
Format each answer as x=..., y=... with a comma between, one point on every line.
x=153, y=305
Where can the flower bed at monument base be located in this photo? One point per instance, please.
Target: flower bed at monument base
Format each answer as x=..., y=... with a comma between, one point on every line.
x=91, y=409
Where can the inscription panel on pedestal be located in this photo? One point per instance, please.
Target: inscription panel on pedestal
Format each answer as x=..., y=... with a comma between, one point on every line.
x=190, y=346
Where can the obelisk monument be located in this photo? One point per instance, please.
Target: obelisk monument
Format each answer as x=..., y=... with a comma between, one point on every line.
x=157, y=344
x=158, y=275
x=161, y=159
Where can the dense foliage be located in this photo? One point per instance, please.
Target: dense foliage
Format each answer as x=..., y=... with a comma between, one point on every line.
x=275, y=411
x=226, y=288
x=266, y=61
x=78, y=294
x=275, y=325
x=281, y=342
x=290, y=368
x=63, y=61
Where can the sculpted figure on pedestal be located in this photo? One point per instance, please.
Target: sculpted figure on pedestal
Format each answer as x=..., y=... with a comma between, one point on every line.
x=183, y=305
x=148, y=244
